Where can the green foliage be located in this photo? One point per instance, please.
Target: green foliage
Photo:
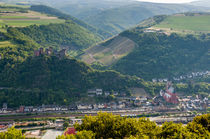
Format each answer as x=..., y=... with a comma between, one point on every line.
x=12, y=133
x=106, y=126
x=69, y=35
x=162, y=56
x=54, y=12
x=187, y=22
x=173, y=131
x=65, y=124
x=203, y=120
x=80, y=135
x=49, y=80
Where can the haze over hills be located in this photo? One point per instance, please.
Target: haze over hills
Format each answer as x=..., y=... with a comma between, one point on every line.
x=118, y=19
x=117, y=15
x=204, y=3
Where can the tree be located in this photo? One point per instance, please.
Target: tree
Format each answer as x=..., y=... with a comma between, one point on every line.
x=65, y=124
x=106, y=125
x=80, y=135
x=12, y=133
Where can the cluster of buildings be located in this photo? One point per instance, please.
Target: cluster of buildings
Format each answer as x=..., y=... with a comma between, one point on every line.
x=49, y=51
x=191, y=103
x=184, y=77
x=167, y=97
x=100, y=92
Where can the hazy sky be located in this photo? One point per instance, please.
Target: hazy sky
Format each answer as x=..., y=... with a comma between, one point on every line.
x=168, y=1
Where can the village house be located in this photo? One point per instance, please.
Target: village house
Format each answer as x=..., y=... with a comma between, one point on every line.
x=84, y=107
x=107, y=93
x=28, y=109
x=94, y=92
x=75, y=120
x=115, y=93
x=4, y=108
x=59, y=124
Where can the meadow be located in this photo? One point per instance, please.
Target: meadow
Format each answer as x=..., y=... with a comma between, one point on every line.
x=6, y=44
x=197, y=24
x=16, y=17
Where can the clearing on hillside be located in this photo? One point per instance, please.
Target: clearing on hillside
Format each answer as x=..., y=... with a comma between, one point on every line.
x=110, y=51
x=186, y=23
x=5, y=44
x=21, y=17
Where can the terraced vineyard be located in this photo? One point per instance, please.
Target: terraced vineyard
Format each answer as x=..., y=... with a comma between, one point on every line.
x=110, y=51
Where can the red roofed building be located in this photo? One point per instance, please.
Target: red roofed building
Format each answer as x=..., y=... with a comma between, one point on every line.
x=70, y=131
x=169, y=94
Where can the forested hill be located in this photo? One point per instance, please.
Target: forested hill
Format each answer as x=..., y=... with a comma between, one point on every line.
x=164, y=56
x=48, y=28
x=51, y=11
x=49, y=79
x=69, y=35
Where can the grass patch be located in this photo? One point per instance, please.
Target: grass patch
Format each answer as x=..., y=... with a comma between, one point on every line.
x=5, y=44
x=23, y=23
x=15, y=18
x=199, y=23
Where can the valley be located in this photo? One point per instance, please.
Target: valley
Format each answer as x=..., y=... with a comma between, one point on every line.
x=104, y=69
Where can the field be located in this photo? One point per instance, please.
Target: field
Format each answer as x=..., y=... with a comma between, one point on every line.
x=5, y=44
x=186, y=24
x=16, y=17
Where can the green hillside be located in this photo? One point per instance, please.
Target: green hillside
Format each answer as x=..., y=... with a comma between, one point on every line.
x=49, y=80
x=66, y=35
x=116, y=20
x=51, y=11
x=158, y=53
x=15, y=16
x=109, y=51
x=164, y=56
x=50, y=27
x=186, y=23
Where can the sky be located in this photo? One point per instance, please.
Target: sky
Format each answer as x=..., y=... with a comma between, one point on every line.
x=168, y=1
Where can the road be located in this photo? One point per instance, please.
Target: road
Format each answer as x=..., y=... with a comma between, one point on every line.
x=52, y=134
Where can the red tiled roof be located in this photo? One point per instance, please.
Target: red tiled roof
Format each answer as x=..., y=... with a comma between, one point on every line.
x=2, y=126
x=70, y=131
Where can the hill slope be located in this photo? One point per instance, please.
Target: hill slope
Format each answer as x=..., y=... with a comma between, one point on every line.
x=162, y=56
x=159, y=53
x=50, y=80
x=185, y=23
x=109, y=52
x=49, y=27
x=121, y=18
x=54, y=12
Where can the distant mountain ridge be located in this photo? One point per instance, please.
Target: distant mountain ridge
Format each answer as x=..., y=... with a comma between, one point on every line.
x=204, y=3
x=117, y=15
x=119, y=19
